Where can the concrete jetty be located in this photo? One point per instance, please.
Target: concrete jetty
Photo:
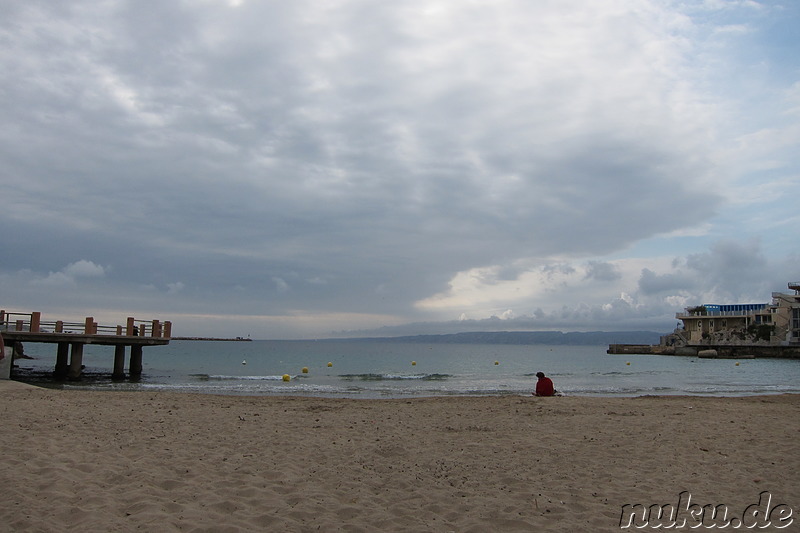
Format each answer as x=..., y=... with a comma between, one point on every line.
x=710, y=351
x=70, y=339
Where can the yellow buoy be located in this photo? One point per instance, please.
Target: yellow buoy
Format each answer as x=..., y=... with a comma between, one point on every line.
x=305, y=370
x=286, y=377
x=413, y=363
x=628, y=363
x=330, y=364
x=737, y=363
x=497, y=362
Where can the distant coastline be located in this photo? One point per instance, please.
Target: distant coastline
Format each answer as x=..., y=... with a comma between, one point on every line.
x=231, y=339
x=573, y=338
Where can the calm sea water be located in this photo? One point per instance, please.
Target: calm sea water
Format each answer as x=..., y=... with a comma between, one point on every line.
x=382, y=369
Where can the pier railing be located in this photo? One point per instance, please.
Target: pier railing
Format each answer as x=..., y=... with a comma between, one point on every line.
x=33, y=323
x=743, y=313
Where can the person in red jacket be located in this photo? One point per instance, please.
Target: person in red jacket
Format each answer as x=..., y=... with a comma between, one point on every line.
x=544, y=386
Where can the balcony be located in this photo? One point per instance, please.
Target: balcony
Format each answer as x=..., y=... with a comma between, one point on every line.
x=740, y=314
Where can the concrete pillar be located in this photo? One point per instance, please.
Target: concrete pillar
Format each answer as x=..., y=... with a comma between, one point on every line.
x=18, y=350
x=62, y=360
x=119, y=362
x=135, y=367
x=5, y=362
x=76, y=362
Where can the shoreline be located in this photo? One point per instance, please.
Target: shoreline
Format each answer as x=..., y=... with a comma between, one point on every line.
x=98, y=382
x=172, y=461
x=13, y=384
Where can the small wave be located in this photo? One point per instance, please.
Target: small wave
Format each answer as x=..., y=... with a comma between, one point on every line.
x=619, y=391
x=395, y=377
x=207, y=377
x=631, y=373
x=252, y=387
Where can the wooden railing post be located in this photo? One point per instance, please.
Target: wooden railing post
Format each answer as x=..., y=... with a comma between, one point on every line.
x=129, y=328
x=20, y=324
x=36, y=320
x=167, y=329
x=88, y=326
x=155, y=330
x=59, y=326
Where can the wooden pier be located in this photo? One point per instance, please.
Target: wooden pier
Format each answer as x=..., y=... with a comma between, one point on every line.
x=71, y=338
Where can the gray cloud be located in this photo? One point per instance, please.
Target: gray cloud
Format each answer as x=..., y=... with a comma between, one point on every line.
x=602, y=271
x=652, y=283
x=728, y=272
x=352, y=157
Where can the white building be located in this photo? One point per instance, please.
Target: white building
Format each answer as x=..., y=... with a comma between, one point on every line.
x=776, y=323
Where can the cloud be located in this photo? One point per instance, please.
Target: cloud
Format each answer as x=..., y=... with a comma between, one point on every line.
x=729, y=270
x=280, y=285
x=71, y=274
x=644, y=291
x=175, y=288
x=84, y=269
x=409, y=160
x=652, y=283
x=56, y=279
x=602, y=271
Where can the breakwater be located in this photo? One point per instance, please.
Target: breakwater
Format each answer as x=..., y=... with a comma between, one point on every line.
x=723, y=351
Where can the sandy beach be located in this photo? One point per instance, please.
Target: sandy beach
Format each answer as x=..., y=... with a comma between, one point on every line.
x=116, y=461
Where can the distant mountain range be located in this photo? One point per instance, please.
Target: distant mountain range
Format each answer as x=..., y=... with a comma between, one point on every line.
x=574, y=338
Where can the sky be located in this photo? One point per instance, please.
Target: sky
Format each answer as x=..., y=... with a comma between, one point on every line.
x=288, y=170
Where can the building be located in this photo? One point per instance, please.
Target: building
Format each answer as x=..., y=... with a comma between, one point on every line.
x=776, y=323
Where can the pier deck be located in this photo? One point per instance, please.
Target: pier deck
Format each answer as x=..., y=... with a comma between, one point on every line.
x=28, y=327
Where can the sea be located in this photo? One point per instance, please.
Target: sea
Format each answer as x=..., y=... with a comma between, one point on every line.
x=391, y=369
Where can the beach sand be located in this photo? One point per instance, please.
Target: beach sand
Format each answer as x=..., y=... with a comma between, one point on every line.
x=140, y=461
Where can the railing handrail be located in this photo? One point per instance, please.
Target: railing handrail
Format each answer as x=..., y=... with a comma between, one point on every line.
x=750, y=312
x=31, y=322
